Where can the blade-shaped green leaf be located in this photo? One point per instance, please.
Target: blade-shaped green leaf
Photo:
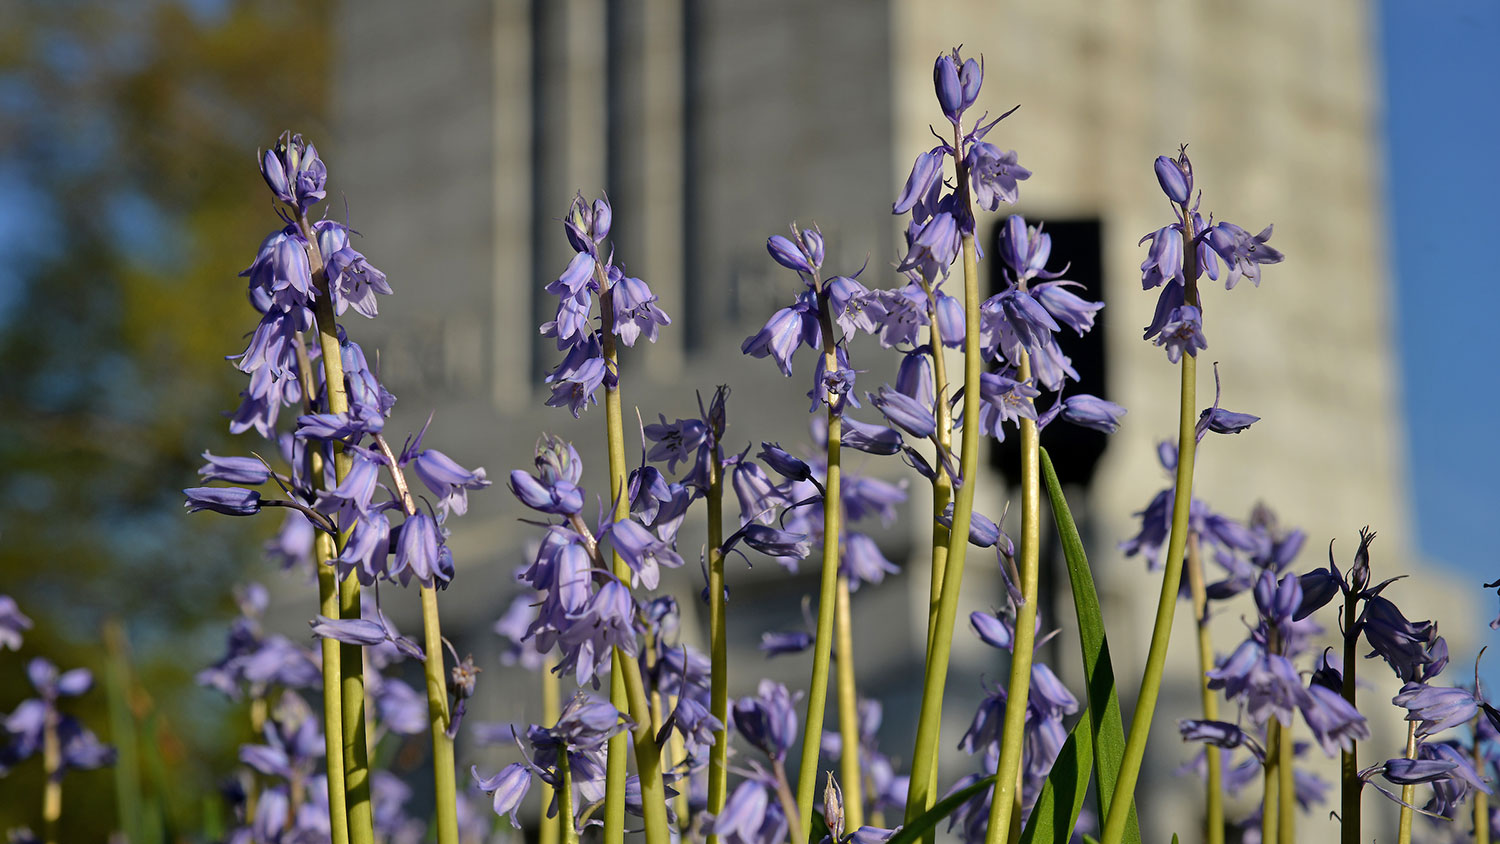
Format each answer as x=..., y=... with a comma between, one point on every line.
x=1099, y=674
x=818, y=828
x=1056, y=810
x=929, y=819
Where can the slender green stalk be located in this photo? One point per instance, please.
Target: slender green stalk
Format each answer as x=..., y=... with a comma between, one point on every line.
x=551, y=708
x=122, y=729
x=817, y=691
x=1270, y=792
x=788, y=803
x=1214, y=795
x=565, y=800
x=718, y=683
x=627, y=690
x=1286, y=785
x=328, y=605
x=942, y=496
x=677, y=750
x=356, y=751
x=1408, y=792
x=1007, y=789
x=1166, y=605
x=849, y=770
x=1350, y=784
x=52, y=767
x=929, y=723
x=1481, y=800
x=445, y=792
x=333, y=727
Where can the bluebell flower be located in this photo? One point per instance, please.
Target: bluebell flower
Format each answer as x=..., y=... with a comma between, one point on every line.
x=13, y=623
x=749, y=816
x=993, y=175
x=768, y=720
x=579, y=376
x=231, y=501
x=871, y=439
x=642, y=551
x=419, y=552
x=787, y=329
x=1163, y=262
x=1241, y=252
x=904, y=412
x=352, y=280
x=1183, y=332
x=448, y=481
x=294, y=172
x=635, y=308
x=922, y=185
x=1092, y=412
x=506, y=788
x=903, y=313
x=1175, y=177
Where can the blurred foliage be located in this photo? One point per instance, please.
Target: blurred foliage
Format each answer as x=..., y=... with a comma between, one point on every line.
x=129, y=201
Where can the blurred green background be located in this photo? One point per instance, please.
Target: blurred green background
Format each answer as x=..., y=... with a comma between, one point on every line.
x=127, y=133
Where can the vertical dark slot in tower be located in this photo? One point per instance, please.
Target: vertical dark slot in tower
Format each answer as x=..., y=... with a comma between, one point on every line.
x=694, y=302
x=548, y=28
x=1075, y=451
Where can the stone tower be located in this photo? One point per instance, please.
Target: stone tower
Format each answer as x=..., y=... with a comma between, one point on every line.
x=463, y=132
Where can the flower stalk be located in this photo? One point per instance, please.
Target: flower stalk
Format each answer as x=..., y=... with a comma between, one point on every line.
x=1003, y=806
x=922, y=792
x=627, y=690
x=942, y=496
x=1214, y=793
x=1286, y=785
x=718, y=758
x=817, y=692
x=1166, y=607
x=1270, y=815
x=52, y=768
x=1481, y=800
x=551, y=829
x=1350, y=783
x=356, y=752
x=1408, y=792
x=325, y=550
x=565, y=799
x=849, y=768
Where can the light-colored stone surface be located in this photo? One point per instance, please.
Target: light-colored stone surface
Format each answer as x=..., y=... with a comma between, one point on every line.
x=814, y=112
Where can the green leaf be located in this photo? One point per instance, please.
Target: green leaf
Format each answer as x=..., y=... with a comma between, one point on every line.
x=1099, y=674
x=1056, y=810
x=928, y=820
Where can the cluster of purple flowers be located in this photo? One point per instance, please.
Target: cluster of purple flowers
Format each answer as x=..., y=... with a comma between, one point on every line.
x=1049, y=703
x=627, y=308
x=285, y=282
x=39, y=721
x=1178, y=321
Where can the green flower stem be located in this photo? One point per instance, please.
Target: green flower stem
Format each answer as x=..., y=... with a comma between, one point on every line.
x=1350, y=784
x=849, y=770
x=328, y=605
x=551, y=708
x=788, y=803
x=1166, y=605
x=627, y=691
x=1286, y=786
x=677, y=750
x=1214, y=796
x=924, y=754
x=52, y=767
x=1270, y=793
x=718, y=683
x=1002, y=807
x=817, y=691
x=1408, y=792
x=942, y=485
x=356, y=751
x=444, y=790
x=565, y=800
x=333, y=727
x=942, y=496
x=1481, y=800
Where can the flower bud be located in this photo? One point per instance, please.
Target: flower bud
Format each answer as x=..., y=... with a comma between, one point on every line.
x=949, y=91
x=1175, y=177
x=970, y=76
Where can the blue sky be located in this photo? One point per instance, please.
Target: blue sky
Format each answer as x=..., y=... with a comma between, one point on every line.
x=1441, y=66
